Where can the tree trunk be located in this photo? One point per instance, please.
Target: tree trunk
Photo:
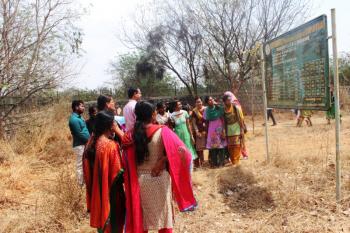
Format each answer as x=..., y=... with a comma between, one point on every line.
x=235, y=86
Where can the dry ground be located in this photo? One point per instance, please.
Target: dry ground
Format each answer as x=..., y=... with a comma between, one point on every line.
x=293, y=193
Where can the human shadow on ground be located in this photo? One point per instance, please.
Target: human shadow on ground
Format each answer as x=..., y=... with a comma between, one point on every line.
x=242, y=192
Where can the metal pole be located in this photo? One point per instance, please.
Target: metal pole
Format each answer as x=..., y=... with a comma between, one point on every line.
x=337, y=108
x=265, y=101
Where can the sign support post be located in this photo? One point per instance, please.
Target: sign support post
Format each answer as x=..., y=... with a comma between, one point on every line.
x=264, y=100
x=337, y=107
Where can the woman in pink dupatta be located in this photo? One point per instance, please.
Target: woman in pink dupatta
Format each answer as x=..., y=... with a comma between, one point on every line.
x=238, y=106
x=155, y=170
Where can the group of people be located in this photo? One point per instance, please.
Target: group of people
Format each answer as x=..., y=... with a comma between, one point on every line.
x=132, y=166
x=214, y=127
x=130, y=175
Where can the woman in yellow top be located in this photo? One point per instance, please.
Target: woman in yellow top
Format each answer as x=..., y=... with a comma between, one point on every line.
x=234, y=129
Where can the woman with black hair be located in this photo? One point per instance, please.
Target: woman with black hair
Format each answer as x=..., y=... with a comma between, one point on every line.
x=200, y=128
x=162, y=115
x=154, y=167
x=182, y=127
x=234, y=126
x=105, y=102
x=103, y=176
x=216, y=138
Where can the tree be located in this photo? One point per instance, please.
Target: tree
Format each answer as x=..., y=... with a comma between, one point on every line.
x=142, y=71
x=232, y=29
x=38, y=41
x=218, y=35
x=344, y=69
x=176, y=41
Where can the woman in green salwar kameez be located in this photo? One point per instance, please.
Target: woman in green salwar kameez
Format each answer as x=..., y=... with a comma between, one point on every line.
x=180, y=119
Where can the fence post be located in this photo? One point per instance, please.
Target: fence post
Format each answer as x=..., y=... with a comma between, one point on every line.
x=265, y=101
x=337, y=109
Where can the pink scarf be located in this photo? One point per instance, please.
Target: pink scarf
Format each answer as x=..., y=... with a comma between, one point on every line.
x=236, y=103
x=179, y=159
x=233, y=97
x=238, y=106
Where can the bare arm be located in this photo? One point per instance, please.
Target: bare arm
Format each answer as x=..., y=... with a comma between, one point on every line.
x=195, y=127
x=117, y=130
x=189, y=126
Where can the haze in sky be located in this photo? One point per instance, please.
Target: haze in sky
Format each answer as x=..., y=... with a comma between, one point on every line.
x=106, y=17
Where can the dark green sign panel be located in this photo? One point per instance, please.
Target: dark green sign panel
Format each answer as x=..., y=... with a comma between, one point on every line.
x=297, y=67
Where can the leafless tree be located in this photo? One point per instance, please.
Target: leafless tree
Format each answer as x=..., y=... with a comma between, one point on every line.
x=213, y=39
x=176, y=39
x=233, y=28
x=37, y=42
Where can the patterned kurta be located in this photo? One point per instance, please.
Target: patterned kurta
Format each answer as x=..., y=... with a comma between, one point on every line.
x=215, y=139
x=162, y=119
x=200, y=125
x=233, y=128
x=155, y=191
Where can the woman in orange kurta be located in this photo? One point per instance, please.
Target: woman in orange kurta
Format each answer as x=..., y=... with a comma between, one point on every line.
x=103, y=177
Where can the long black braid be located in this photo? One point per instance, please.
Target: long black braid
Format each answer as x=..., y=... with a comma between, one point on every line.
x=143, y=111
x=104, y=122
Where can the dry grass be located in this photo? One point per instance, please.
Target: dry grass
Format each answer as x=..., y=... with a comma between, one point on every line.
x=37, y=176
x=293, y=193
x=68, y=200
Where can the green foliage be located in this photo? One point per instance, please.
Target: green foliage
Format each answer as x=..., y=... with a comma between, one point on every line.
x=140, y=70
x=344, y=69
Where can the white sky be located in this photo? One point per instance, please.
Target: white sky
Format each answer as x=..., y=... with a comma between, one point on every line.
x=105, y=19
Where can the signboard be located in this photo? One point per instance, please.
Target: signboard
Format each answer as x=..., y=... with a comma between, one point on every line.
x=297, y=67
